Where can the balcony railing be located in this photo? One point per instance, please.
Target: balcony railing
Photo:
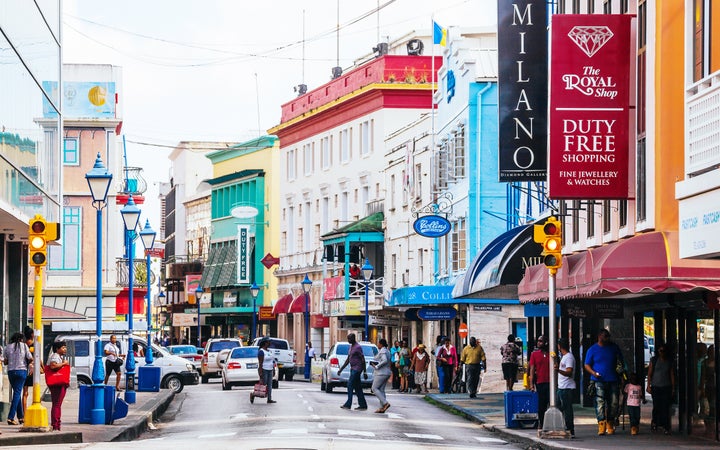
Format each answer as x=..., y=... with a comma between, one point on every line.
x=121, y=267
x=703, y=126
x=133, y=182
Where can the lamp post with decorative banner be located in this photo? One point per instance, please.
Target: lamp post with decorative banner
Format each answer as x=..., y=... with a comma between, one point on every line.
x=130, y=215
x=147, y=235
x=198, y=296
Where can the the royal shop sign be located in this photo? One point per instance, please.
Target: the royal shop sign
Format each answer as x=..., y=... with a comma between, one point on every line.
x=590, y=106
x=432, y=226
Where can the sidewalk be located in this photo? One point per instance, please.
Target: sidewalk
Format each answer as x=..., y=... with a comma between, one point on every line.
x=148, y=406
x=489, y=410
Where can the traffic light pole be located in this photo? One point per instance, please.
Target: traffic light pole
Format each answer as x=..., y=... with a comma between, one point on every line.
x=554, y=423
x=36, y=416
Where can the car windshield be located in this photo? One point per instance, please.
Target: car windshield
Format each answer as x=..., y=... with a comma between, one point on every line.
x=183, y=350
x=368, y=350
x=222, y=345
x=279, y=345
x=245, y=352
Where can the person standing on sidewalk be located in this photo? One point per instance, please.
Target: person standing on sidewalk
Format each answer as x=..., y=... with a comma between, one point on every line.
x=57, y=393
x=510, y=352
x=601, y=361
x=113, y=362
x=420, y=365
x=447, y=364
x=540, y=377
x=635, y=396
x=394, y=357
x=566, y=384
x=661, y=385
x=17, y=358
x=356, y=359
x=266, y=366
x=473, y=358
x=381, y=374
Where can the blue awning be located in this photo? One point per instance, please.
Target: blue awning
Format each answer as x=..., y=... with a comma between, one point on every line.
x=500, y=266
x=421, y=296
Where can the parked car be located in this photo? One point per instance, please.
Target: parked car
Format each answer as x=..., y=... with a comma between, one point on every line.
x=175, y=373
x=286, y=357
x=189, y=352
x=209, y=367
x=336, y=357
x=241, y=367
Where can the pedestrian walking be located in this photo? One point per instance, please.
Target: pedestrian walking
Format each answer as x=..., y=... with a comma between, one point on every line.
x=114, y=361
x=510, y=352
x=661, y=385
x=447, y=364
x=540, y=376
x=17, y=358
x=266, y=366
x=394, y=357
x=309, y=357
x=30, y=342
x=381, y=374
x=356, y=359
x=565, y=369
x=56, y=362
x=403, y=365
x=420, y=365
x=601, y=362
x=473, y=359
x=635, y=396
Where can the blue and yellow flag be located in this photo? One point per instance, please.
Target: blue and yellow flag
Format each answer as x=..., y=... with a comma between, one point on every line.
x=439, y=34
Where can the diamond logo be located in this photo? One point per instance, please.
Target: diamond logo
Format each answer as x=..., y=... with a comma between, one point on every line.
x=590, y=39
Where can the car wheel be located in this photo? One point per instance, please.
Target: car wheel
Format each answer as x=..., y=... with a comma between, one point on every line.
x=175, y=383
x=289, y=375
x=281, y=375
x=204, y=379
x=328, y=388
x=225, y=385
x=275, y=384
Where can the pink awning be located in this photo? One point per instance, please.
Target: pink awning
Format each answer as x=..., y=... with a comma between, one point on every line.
x=644, y=264
x=298, y=305
x=281, y=306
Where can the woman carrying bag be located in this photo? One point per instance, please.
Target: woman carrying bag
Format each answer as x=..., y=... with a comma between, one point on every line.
x=57, y=377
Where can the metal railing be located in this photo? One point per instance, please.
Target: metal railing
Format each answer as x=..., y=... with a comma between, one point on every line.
x=140, y=280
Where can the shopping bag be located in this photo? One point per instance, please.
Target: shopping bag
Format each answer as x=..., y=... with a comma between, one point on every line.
x=260, y=390
x=57, y=377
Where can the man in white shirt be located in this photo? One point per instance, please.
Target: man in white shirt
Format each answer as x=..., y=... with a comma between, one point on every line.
x=566, y=384
x=113, y=362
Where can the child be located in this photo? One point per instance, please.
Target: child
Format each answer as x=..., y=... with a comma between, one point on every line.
x=635, y=395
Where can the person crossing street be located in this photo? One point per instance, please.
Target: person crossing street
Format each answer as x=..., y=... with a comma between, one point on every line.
x=473, y=359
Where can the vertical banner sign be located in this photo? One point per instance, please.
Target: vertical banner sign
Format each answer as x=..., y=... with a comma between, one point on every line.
x=243, y=268
x=589, y=106
x=522, y=90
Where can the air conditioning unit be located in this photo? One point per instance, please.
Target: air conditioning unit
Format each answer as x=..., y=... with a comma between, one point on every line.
x=405, y=278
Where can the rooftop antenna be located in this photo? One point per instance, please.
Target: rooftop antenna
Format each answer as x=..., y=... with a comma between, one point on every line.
x=302, y=87
x=378, y=21
x=337, y=70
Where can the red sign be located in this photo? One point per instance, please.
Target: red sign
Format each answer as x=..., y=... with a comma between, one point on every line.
x=269, y=260
x=266, y=313
x=463, y=330
x=590, y=106
x=319, y=321
x=155, y=252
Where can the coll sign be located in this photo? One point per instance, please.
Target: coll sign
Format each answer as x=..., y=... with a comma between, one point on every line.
x=590, y=106
x=432, y=226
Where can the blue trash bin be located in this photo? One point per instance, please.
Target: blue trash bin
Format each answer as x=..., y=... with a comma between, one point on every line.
x=149, y=379
x=87, y=400
x=524, y=403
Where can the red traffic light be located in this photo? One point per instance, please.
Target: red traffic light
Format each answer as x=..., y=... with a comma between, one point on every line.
x=37, y=226
x=551, y=228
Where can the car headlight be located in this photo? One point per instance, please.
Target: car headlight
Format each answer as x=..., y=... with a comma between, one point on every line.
x=189, y=367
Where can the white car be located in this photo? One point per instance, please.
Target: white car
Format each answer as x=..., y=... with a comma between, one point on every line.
x=241, y=367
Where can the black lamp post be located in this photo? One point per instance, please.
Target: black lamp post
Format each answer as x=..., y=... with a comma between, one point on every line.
x=254, y=291
x=98, y=180
x=147, y=236
x=367, y=271
x=130, y=215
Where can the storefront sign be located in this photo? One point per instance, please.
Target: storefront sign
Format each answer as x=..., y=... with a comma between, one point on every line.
x=700, y=225
x=345, y=308
x=432, y=226
x=334, y=288
x=422, y=295
x=192, y=282
x=494, y=308
x=319, y=321
x=437, y=313
x=595, y=309
x=522, y=90
x=590, y=106
x=243, y=268
x=266, y=313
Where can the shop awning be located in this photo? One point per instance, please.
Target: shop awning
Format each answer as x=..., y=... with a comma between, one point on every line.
x=642, y=265
x=297, y=305
x=220, y=270
x=281, y=306
x=497, y=270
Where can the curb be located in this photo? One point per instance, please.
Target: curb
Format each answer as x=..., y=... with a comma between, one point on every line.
x=139, y=423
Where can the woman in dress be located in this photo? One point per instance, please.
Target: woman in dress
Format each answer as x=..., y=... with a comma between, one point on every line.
x=17, y=359
x=420, y=365
x=57, y=393
x=661, y=385
x=381, y=374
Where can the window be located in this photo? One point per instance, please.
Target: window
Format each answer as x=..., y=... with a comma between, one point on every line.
x=392, y=192
x=345, y=145
x=623, y=212
x=607, y=216
x=300, y=240
x=417, y=179
x=71, y=151
x=591, y=219
x=308, y=228
x=366, y=137
x=575, y=221
x=458, y=245
x=641, y=182
x=458, y=162
x=324, y=214
x=67, y=256
x=325, y=152
x=308, y=159
x=291, y=164
x=706, y=58
x=291, y=229
x=344, y=212
x=393, y=270
x=420, y=266
x=441, y=166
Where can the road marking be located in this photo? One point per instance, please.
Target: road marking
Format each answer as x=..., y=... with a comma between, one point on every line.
x=355, y=433
x=488, y=440
x=395, y=416
x=321, y=425
x=310, y=408
x=219, y=435
x=240, y=416
x=290, y=431
x=315, y=417
x=424, y=436
x=300, y=395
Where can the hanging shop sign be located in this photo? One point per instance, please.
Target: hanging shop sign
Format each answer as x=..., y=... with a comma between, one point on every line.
x=432, y=226
x=437, y=313
x=243, y=265
x=266, y=313
x=590, y=106
x=522, y=90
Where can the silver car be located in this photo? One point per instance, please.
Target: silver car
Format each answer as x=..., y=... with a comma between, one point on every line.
x=336, y=357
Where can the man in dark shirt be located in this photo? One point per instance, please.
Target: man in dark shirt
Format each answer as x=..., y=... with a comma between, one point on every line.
x=356, y=359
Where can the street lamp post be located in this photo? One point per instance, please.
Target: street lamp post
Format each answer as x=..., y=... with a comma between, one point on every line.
x=198, y=294
x=130, y=215
x=367, y=271
x=306, y=286
x=254, y=291
x=147, y=236
x=98, y=180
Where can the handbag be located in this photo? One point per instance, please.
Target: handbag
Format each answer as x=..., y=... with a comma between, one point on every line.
x=57, y=377
x=260, y=390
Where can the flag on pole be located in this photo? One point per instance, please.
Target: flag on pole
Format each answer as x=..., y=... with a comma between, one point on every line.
x=439, y=34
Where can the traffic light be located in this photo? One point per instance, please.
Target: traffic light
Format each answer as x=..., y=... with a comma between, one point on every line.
x=549, y=235
x=38, y=241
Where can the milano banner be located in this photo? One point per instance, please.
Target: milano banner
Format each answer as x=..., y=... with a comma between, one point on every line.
x=522, y=90
x=589, y=106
